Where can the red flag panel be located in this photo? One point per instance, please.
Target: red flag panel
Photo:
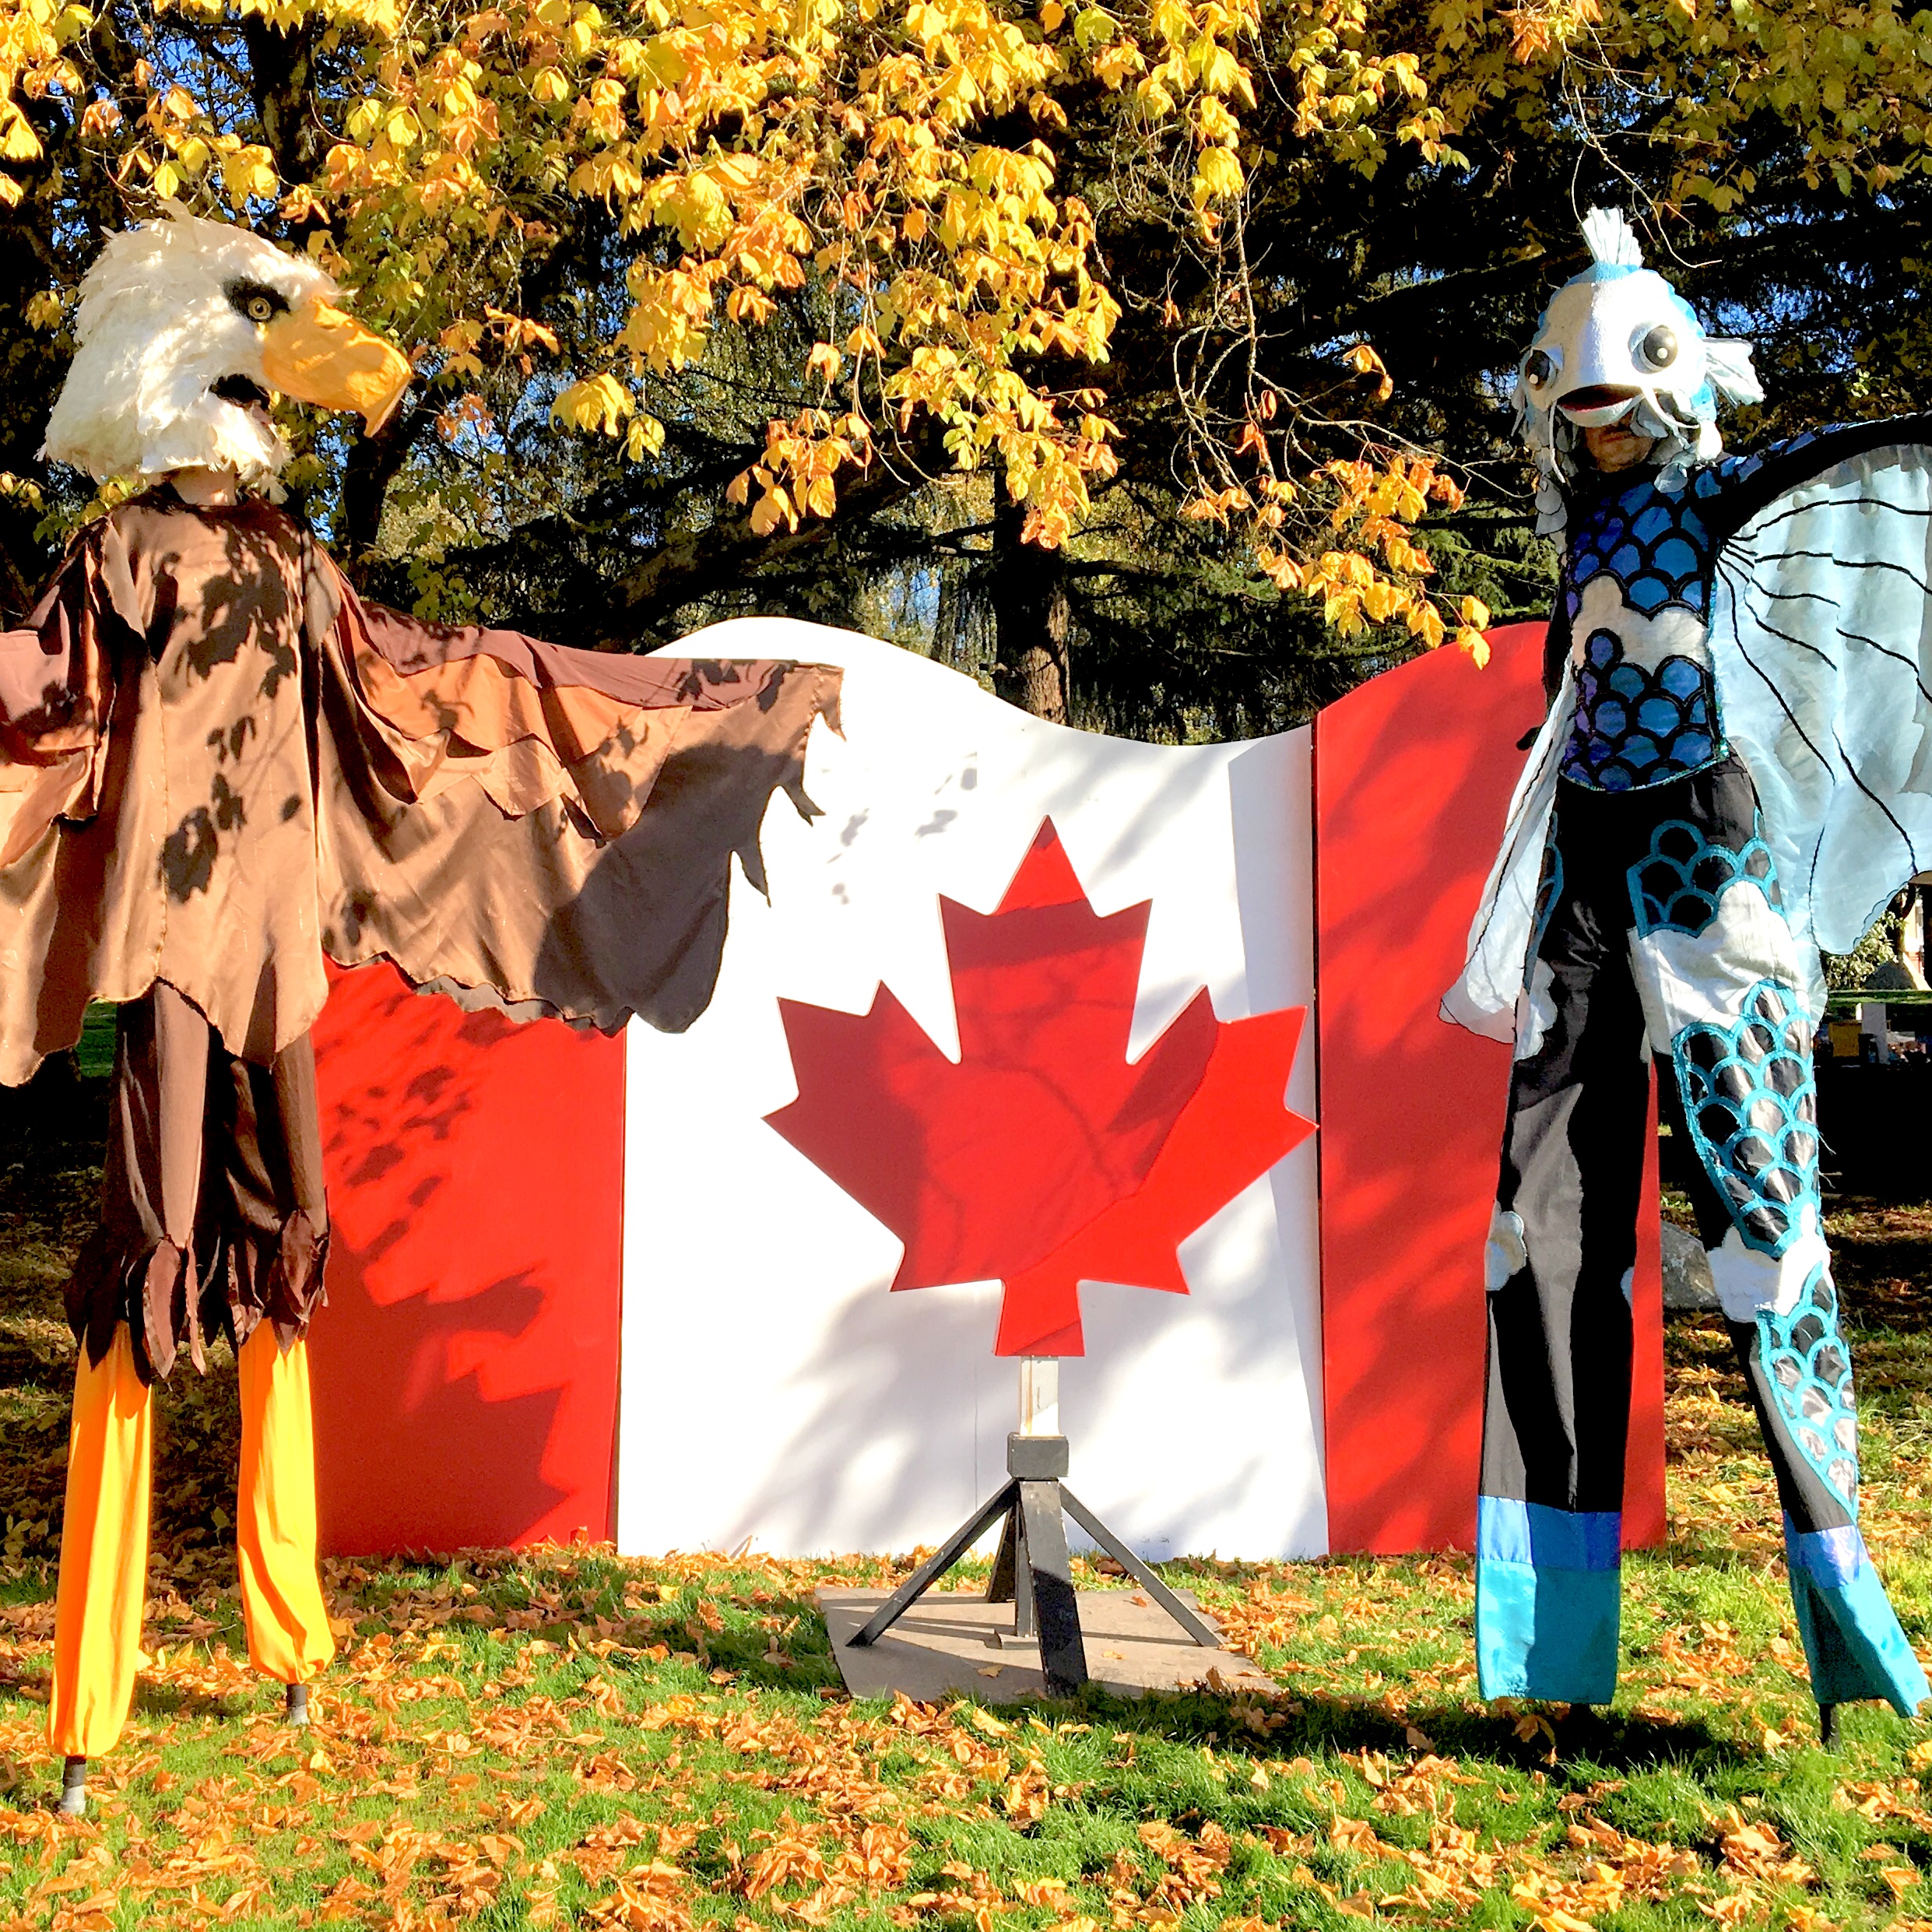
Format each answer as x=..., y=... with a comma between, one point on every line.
x=466, y=1368
x=1413, y=773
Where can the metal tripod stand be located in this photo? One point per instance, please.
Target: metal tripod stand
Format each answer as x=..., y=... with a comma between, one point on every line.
x=1031, y=1570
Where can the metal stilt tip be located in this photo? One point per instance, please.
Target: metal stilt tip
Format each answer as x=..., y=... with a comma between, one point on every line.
x=1828, y=1726
x=73, y=1788
x=298, y=1705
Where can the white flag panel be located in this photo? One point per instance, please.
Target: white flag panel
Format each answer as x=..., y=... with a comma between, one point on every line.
x=773, y=1391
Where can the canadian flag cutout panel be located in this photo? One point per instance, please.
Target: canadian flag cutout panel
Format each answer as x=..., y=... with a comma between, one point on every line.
x=1014, y=1060
x=1018, y=1029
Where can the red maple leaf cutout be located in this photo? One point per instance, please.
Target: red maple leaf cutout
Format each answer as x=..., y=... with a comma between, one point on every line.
x=1043, y=1159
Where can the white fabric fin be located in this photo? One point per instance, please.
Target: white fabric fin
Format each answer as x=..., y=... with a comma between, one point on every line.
x=1729, y=365
x=1821, y=640
x=1484, y=999
x=1611, y=239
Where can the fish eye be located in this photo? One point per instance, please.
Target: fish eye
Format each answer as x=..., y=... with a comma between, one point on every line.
x=1537, y=369
x=1659, y=348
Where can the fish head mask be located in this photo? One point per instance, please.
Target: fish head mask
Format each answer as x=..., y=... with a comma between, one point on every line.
x=1619, y=344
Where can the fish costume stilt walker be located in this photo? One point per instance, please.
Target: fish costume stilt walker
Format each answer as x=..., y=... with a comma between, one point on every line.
x=218, y=769
x=1735, y=770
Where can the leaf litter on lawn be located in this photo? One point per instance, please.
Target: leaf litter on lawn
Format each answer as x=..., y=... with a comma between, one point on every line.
x=562, y=1737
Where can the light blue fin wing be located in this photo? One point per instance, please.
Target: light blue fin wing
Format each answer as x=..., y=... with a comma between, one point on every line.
x=1821, y=636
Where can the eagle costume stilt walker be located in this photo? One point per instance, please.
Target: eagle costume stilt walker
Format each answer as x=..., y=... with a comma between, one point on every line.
x=218, y=769
x=1735, y=770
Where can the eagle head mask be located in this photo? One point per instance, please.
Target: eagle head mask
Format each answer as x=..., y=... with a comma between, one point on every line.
x=1618, y=344
x=186, y=328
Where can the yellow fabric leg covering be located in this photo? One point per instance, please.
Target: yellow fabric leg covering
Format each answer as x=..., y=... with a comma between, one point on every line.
x=282, y=1605
x=103, y=1555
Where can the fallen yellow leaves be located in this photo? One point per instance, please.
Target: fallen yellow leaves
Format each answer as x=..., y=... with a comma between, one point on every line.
x=1611, y=1870
x=1193, y=1866
x=1755, y=1850
x=617, y=1745
x=652, y=1897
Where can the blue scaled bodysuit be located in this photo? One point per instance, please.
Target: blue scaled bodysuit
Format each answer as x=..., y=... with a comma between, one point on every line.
x=1642, y=907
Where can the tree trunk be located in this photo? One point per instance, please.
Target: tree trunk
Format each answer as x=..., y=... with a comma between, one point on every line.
x=367, y=475
x=281, y=77
x=1031, y=617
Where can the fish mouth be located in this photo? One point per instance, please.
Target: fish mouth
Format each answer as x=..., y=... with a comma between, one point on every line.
x=243, y=391
x=1599, y=406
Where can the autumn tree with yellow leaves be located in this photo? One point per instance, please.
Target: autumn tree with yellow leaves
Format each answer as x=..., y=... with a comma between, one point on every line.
x=1173, y=327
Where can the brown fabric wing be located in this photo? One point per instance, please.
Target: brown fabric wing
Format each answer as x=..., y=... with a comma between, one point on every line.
x=215, y=763
x=55, y=692
x=707, y=684
x=547, y=830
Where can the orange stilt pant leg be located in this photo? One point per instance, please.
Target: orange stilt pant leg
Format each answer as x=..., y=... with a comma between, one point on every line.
x=103, y=1554
x=282, y=1605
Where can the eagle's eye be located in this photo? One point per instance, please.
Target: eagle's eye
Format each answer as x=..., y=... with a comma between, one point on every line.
x=259, y=303
x=1537, y=369
x=1659, y=347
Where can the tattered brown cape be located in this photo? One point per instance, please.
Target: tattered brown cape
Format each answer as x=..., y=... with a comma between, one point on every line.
x=218, y=765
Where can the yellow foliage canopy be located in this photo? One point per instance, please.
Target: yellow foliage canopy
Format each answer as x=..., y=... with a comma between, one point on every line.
x=746, y=149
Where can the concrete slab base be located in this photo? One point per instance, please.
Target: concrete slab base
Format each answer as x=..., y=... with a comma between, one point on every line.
x=950, y=1643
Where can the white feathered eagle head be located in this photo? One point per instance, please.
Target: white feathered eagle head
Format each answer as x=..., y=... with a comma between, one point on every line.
x=186, y=327
x=1619, y=343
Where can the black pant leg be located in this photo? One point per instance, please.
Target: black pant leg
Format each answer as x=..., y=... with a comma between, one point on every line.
x=1561, y=1251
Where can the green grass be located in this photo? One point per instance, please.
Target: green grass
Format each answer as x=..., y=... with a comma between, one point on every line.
x=562, y=1737
x=94, y=1057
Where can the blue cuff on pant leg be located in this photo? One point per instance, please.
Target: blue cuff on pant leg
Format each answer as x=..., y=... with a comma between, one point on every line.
x=1546, y=1601
x=1852, y=1638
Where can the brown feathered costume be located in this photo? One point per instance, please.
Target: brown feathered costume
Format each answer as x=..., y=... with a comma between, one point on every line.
x=221, y=765
x=218, y=767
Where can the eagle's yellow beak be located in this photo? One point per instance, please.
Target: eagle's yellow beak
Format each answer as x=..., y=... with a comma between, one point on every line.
x=317, y=354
